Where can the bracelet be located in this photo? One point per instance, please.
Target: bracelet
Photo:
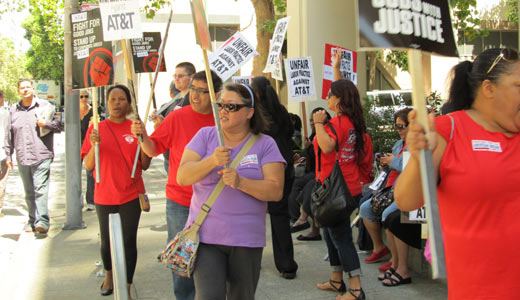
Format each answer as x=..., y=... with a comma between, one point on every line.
x=319, y=122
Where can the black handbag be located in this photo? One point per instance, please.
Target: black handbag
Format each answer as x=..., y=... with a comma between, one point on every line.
x=381, y=200
x=331, y=202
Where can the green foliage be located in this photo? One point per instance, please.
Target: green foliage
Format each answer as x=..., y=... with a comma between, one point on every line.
x=280, y=7
x=11, y=5
x=435, y=101
x=44, y=30
x=152, y=6
x=512, y=11
x=380, y=126
x=466, y=20
x=12, y=67
x=398, y=58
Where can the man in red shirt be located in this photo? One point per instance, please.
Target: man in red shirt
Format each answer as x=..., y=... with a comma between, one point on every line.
x=173, y=134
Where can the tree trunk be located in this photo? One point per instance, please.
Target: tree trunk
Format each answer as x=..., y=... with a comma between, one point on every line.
x=264, y=10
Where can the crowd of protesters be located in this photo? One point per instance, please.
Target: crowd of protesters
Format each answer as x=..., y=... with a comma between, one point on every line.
x=473, y=145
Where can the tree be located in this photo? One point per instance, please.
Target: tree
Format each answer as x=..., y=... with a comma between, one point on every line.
x=11, y=5
x=44, y=30
x=12, y=67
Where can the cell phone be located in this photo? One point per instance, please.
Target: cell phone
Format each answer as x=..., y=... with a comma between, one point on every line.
x=379, y=155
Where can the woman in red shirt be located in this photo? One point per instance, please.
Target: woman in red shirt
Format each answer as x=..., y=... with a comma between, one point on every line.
x=350, y=127
x=475, y=153
x=116, y=192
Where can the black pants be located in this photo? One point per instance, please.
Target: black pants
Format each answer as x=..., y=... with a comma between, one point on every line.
x=130, y=213
x=296, y=195
x=280, y=228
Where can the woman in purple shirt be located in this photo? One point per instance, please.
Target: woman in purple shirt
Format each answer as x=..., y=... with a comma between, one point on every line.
x=233, y=235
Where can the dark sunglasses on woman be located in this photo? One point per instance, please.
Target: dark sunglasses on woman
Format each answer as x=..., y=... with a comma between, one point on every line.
x=230, y=107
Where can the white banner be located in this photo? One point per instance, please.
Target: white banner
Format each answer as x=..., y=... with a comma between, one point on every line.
x=120, y=19
x=276, y=44
x=248, y=80
x=300, y=79
x=231, y=56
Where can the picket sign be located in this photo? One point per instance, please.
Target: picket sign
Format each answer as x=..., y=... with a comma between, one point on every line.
x=247, y=80
x=121, y=19
x=300, y=79
x=348, y=66
x=276, y=44
x=231, y=56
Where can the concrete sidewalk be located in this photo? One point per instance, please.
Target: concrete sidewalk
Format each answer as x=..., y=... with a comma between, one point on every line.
x=66, y=264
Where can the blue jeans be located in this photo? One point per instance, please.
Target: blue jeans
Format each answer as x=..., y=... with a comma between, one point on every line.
x=365, y=212
x=36, y=180
x=342, y=252
x=176, y=217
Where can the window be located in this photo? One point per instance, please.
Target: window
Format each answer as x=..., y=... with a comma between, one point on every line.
x=495, y=39
x=220, y=33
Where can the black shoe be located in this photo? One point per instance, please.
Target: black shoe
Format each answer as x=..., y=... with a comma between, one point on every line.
x=300, y=227
x=288, y=275
x=106, y=292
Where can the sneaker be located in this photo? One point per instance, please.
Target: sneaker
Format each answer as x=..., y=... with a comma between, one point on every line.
x=377, y=256
x=41, y=228
x=90, y=207
x=28, y=227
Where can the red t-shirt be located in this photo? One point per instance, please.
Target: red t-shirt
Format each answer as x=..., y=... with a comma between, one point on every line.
x=174, y=133
x=479, y=204
x=366, y=166
x=347, y=157
x=116, y=186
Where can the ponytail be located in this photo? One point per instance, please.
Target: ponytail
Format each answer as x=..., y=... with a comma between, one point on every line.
x=462, y=90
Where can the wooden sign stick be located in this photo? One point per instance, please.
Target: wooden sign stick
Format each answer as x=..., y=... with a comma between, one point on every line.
x=428, y=178
x=96, y=127
x=152, y=90
x=130, y=77
x=213, y=97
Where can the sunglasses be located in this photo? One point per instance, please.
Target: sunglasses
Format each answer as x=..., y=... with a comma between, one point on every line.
x=198, y=91
x=506, y=54
x=83, y=96
x=400, y=126
x=230, y=107
x=329, y=94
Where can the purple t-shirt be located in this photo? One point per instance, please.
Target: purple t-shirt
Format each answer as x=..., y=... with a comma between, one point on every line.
x=236, y=218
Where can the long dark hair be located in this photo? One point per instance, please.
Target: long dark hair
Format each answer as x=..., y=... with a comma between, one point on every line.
x=467, y=77
x=273, y=109
x=350, y=106
x=257, y=124
x=280, y=125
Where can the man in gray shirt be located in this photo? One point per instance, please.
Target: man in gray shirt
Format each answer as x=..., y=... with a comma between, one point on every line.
x=30, y=133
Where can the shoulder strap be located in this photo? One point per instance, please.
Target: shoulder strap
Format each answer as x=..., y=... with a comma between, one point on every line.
x=452, y=126
x=337, y=146
x=206, y=207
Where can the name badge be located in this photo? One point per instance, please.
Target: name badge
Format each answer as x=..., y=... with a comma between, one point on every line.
x=251, y=159
x=480, y=145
